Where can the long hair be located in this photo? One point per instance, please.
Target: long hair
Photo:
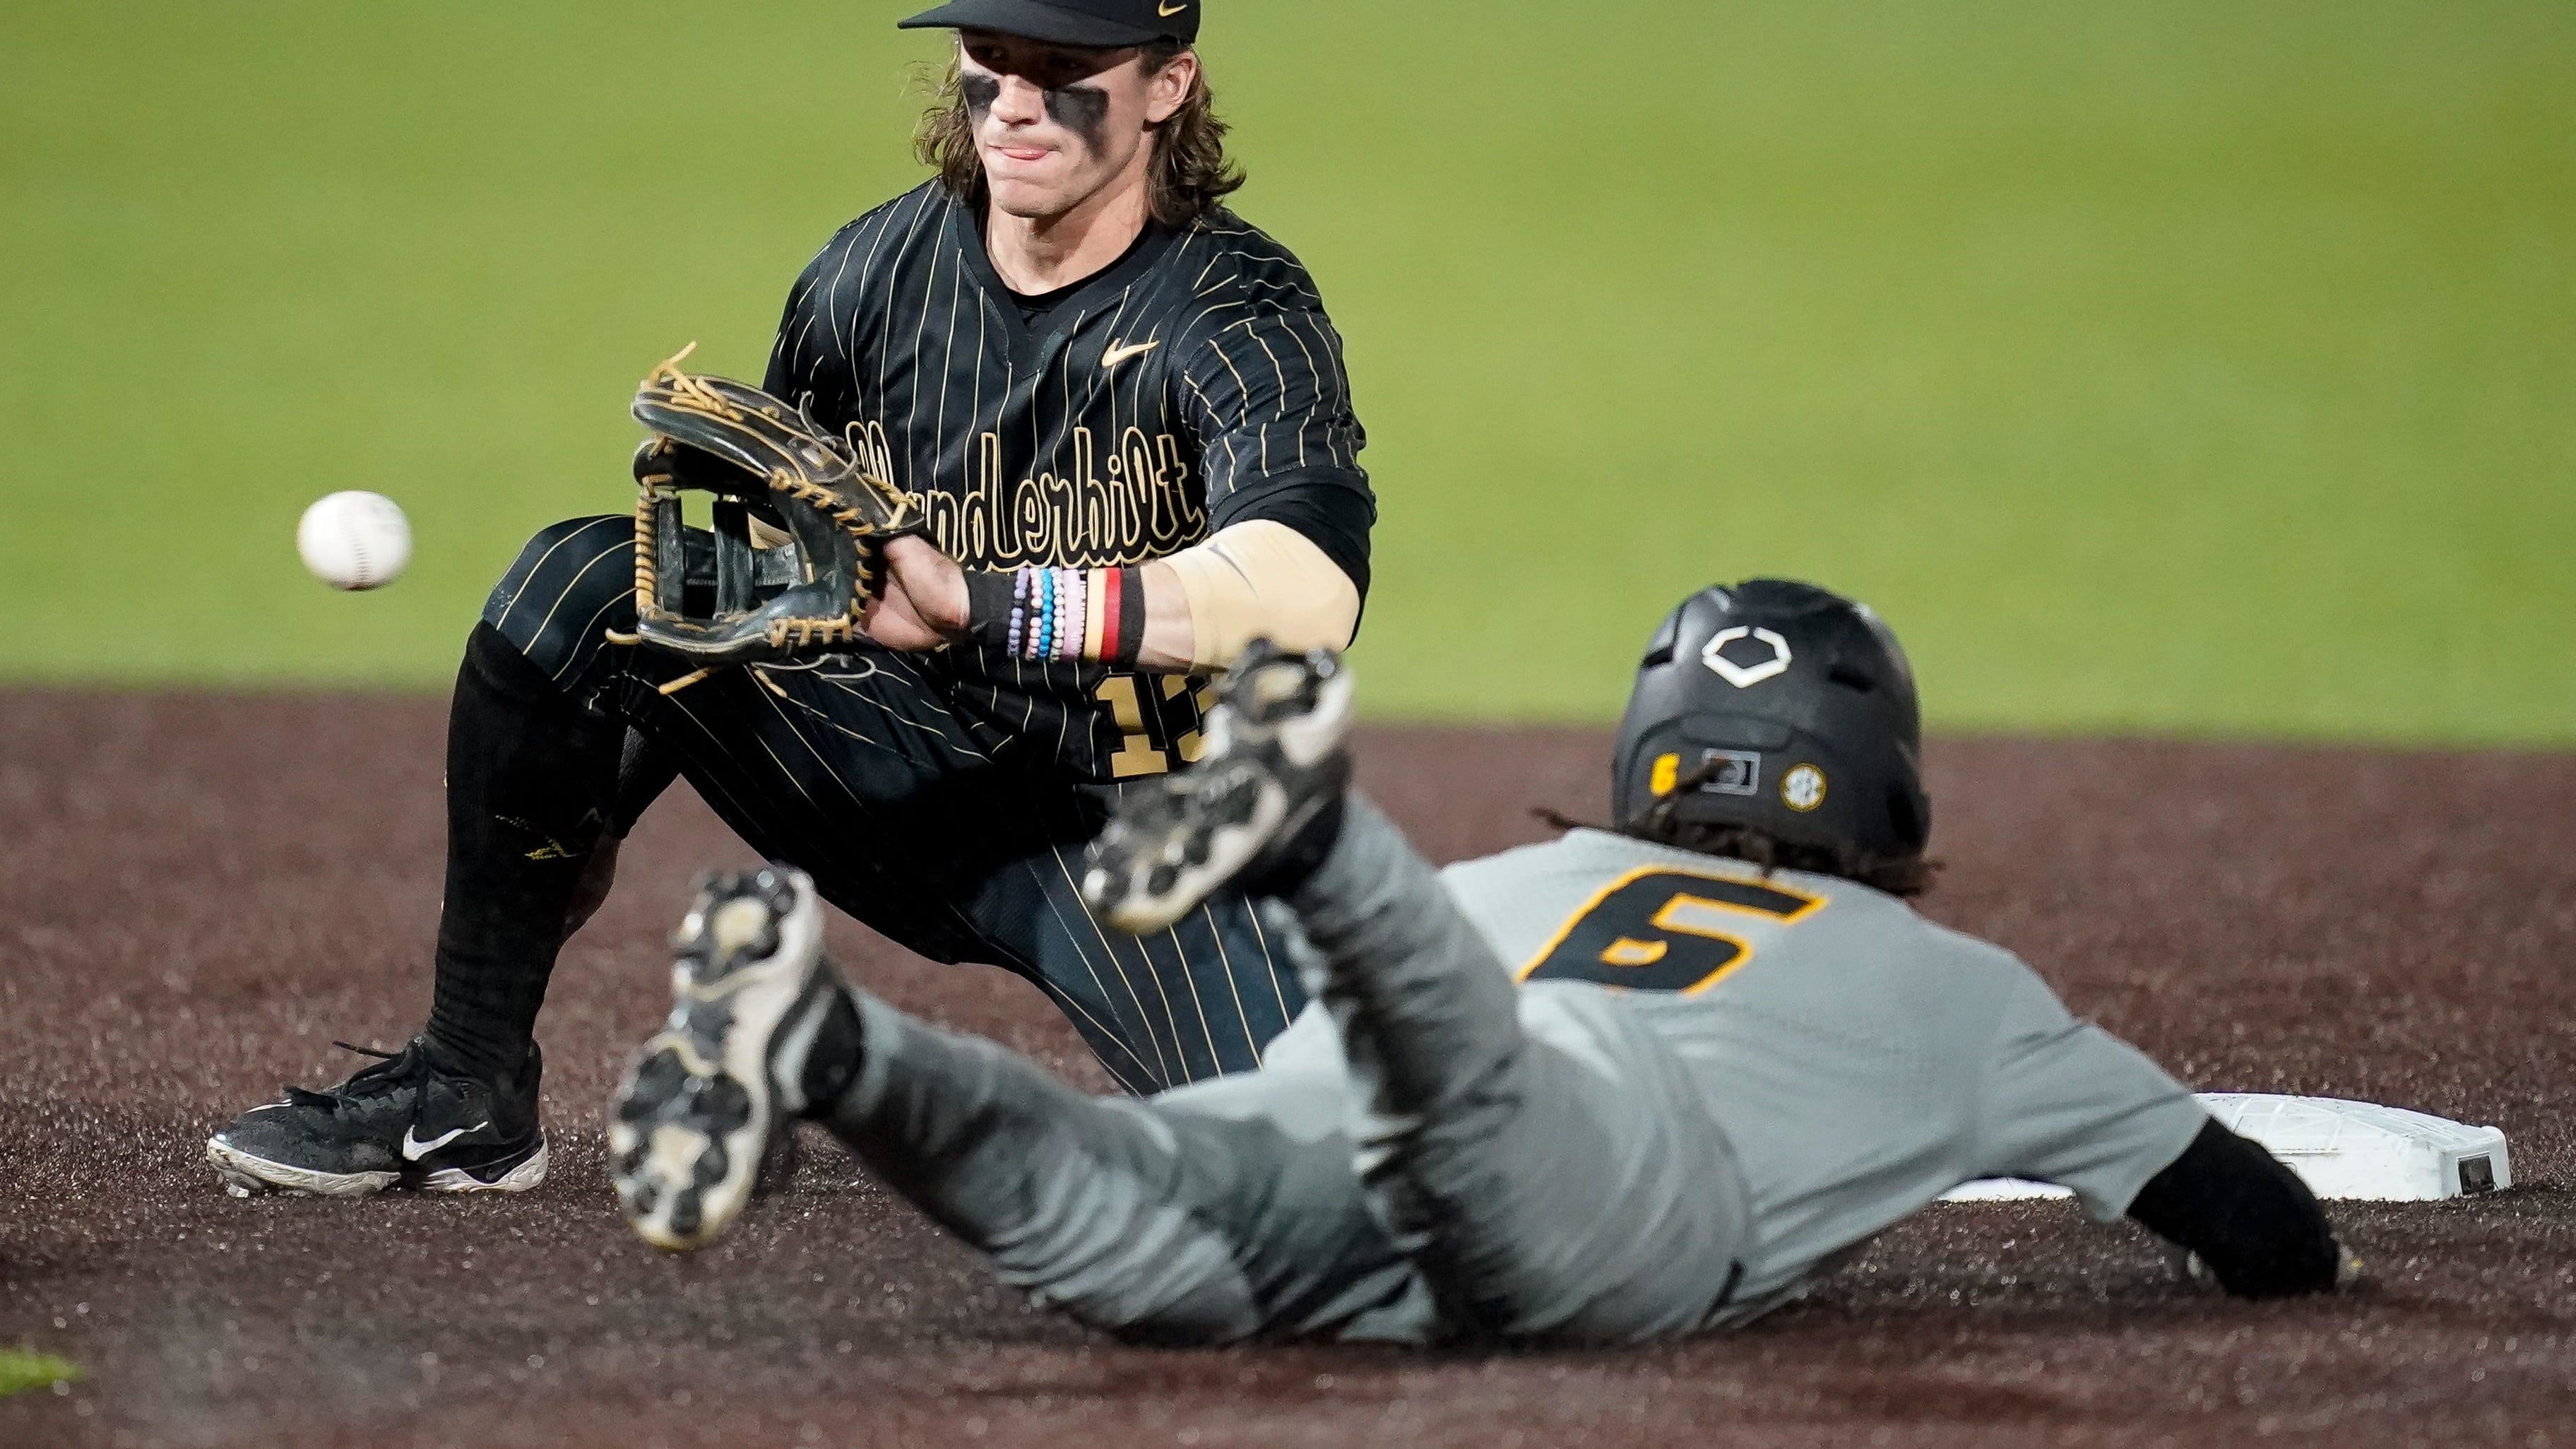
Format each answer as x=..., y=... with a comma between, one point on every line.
x=1188, y=177
x=1898, y=875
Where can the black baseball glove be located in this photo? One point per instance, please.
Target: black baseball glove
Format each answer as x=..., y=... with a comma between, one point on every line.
x=757, y=455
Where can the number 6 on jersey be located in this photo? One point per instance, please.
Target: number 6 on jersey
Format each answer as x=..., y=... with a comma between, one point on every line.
x=1657, y=929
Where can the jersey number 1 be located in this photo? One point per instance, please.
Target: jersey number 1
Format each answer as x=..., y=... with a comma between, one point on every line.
x=1137, y=753
x=1664, y=930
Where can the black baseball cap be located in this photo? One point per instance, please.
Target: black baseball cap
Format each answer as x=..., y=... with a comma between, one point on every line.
x=1107, y=24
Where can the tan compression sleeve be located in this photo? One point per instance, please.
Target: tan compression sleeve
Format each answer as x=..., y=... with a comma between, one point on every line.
x=1263, y=580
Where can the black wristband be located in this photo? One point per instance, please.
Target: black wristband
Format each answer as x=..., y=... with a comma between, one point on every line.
x=1130, y=643
x=989, y=598
x=1039, y=613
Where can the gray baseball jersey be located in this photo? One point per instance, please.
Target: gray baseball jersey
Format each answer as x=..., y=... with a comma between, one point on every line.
x=1860, y=1059
x=1856, y=1059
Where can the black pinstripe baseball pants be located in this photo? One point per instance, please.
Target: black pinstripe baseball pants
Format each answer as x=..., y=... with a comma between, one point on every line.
x=855, y=770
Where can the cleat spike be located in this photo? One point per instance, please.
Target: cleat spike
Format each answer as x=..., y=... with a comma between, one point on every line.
x=706, y=1096
x=1272, y=761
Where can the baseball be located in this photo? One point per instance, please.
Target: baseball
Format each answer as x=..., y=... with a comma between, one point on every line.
x=355, y=540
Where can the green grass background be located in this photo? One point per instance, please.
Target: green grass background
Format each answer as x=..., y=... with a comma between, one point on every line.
x=21, y=1371
x=2195, y=366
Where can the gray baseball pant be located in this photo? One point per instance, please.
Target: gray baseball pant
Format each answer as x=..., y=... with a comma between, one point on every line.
x=1466, y=1177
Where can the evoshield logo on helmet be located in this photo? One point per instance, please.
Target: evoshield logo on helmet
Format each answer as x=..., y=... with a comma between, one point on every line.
x=1745, y=676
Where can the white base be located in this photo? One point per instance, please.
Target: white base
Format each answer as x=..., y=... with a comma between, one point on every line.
x=2344, y=1151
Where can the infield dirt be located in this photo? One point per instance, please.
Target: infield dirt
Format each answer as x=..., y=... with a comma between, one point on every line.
x=197, y=894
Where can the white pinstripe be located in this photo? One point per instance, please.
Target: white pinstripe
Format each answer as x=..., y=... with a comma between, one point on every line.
x=580, y=574
x=539, y=566
x=1272, y=957
x=592, y=628
x=1190, y=979
x=1226, y=958
x=1112, y=951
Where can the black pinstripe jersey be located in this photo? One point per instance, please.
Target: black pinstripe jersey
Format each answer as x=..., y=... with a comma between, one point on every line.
x=1195, y=384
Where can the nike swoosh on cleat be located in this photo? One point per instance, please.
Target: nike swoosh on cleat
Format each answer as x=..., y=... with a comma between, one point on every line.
x=413, y=1149
x=1117, y=354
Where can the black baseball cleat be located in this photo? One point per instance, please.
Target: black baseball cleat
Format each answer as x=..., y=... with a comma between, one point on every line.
x=753, y=1003
x=409, y=1121
x=1274, y=765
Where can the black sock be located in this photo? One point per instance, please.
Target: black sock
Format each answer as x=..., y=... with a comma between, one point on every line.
x=531, y=780
x=1301, y=853
x=838, y=1052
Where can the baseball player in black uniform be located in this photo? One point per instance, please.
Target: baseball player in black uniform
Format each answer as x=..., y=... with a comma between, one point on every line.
x=1124, y=414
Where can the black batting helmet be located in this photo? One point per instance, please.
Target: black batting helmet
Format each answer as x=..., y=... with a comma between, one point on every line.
x=1779, y=708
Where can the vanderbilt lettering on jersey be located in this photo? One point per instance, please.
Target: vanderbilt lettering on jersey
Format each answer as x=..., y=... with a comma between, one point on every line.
x=1194, y=384
x=1135, y=505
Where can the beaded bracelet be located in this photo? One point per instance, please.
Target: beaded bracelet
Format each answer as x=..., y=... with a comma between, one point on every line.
x=1042, y=615
x=1068, y=638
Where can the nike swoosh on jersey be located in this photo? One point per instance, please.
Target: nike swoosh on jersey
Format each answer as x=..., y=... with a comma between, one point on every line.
x=413, y=1149
x=1117, y=354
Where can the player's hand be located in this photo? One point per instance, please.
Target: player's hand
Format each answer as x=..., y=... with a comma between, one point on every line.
x=923, y=604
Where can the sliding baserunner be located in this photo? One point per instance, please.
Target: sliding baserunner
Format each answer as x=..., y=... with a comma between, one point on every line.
x=1626, y=1085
